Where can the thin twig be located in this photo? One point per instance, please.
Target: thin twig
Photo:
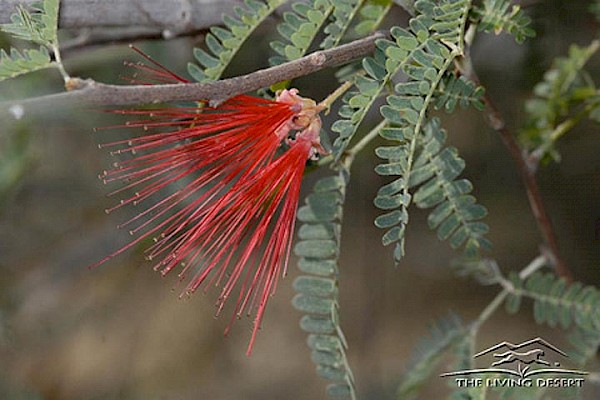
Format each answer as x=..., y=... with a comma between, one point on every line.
x=91, y=93
x=533, y=192
x=536, y=155
x=507, y=288
x=358, y=147
x=59, y=64
x=336, y=94
x=526, y=171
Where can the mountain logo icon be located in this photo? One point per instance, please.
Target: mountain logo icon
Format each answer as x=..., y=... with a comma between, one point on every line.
x=520, y=359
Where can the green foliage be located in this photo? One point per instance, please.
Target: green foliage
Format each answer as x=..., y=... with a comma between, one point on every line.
x=456, y=215
x=343, y=13
x=513, y=300
x=454, y=90
x=358, y=102
x=18, y=63
x=369, y=82
x=500, y=16
x=565, y=88
x=40, y=27
x=424, y=53
x=584, y=345
x=381, y=67
x=224, y=43
x=318, y=249
x=484, y=270
x=299, y=28
x=371, y=15
x=463, y=360
x=444, y=334
x=557, y=303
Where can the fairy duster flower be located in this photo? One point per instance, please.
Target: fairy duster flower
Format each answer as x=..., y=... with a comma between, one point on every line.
x=213, y=193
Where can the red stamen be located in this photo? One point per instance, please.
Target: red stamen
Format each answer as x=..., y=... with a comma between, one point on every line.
x=217, y=201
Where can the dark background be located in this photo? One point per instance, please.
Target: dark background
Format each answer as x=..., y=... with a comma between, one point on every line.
x=120, y=332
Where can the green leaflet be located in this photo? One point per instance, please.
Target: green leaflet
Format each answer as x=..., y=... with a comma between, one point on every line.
x=453, y=91
x=224, y=43
x=513, y=300
x=357, y=103
x=462, y=351
x=584, y=345
x=369, y=81
x=38, y=26
x=558, y=304
x=566, y=86
x=445, y=333
x=501, y=16
x=317, y=291
x=424, y=52
x=299, y=29
x=371, y=15
x=21, y=62
x=341, y=17
x=455, y=213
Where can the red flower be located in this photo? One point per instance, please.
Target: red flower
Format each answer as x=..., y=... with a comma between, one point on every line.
x=217, y=200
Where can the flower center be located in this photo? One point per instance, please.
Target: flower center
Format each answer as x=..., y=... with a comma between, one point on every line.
x=306, y=121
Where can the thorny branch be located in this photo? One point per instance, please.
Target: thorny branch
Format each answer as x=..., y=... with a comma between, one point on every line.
x=89, y=92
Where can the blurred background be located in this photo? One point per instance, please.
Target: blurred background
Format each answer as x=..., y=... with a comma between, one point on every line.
x=120, y=331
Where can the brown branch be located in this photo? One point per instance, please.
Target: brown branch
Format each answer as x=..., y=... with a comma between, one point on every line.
x=89, y=92
x=170, y=17
x=526, y=171
x=531, y=187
